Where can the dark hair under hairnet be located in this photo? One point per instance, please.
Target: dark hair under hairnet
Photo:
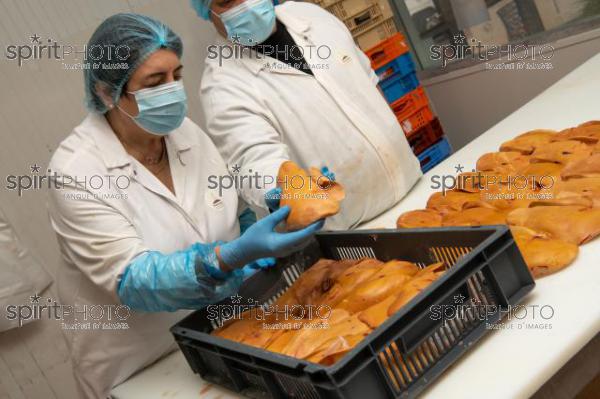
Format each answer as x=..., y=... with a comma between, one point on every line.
x=120, y=45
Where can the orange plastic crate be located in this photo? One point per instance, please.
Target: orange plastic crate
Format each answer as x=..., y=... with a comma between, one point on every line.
x=416, y=121
x=426, y=136
x=387, y=50
x=410, y=103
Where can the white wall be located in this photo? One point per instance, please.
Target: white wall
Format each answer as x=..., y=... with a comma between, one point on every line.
x=471, y=100
x=40, y=103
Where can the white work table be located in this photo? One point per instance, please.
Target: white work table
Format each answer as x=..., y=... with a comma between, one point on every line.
x=510, y=363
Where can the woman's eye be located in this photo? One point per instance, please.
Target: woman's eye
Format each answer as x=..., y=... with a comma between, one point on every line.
x=153, y=83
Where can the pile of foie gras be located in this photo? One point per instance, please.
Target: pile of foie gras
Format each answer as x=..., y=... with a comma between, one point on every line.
x=544, y=184
x=331, y=307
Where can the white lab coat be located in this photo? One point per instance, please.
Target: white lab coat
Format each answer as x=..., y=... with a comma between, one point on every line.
x=101, y=231
x=261, y=112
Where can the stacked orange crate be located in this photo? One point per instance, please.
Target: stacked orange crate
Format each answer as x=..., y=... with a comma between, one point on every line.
x=423, y=130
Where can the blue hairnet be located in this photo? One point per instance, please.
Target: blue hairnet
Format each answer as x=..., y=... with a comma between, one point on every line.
x=124, y=40
x=202, y=8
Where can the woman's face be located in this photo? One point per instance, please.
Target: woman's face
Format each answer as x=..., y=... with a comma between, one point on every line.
x=162, y=66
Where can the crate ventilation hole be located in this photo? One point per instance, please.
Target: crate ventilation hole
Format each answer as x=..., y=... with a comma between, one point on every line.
x=403, y=369
x=355, y=252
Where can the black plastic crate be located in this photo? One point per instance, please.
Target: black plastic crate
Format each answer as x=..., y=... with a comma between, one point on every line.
x=406, y=353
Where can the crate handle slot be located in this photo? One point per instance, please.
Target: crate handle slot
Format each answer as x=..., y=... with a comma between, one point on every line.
x=408, y=341
x=388, y=72
x=425, y=161
x=377, y=55
x=402, y=106
x=364, y=17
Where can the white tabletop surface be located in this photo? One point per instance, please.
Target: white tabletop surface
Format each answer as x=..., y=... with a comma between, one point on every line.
x=515, y=361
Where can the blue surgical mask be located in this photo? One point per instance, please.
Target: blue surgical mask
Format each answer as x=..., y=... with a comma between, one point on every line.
x=161, y=108
x=249, y=23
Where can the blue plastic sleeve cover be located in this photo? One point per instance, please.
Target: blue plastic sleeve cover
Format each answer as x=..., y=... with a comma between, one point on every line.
x=187, y=279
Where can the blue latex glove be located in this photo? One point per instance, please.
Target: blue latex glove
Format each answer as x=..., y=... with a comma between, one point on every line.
x=246, y=219
x=155, y=282
x=252, y=268
x=273, y=196
x=261, y=241
x=327, y=173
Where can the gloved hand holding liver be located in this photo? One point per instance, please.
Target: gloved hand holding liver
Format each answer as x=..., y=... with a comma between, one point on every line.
x=262, y=241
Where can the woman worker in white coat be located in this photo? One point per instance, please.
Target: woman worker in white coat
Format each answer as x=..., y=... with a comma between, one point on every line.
x=135, y=220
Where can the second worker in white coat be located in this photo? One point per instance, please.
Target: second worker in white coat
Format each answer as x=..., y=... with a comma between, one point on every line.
x=288, y=83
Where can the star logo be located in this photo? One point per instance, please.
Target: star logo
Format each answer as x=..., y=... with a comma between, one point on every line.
x=35, y=38
x=236, y=298
x=460, y=298
x=35, y=168
x=35, y=298
x=459, y=168
x=460, y=38
x=236, y=39
x=236, y=168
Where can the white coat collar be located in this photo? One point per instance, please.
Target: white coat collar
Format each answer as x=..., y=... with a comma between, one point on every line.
x=110, y=148
x=292, y=21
